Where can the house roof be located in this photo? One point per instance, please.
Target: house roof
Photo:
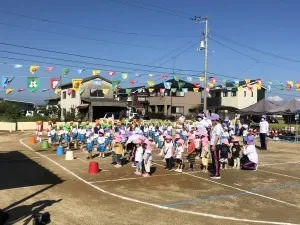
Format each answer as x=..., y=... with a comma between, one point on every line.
x=53, y=98
x=231, y=84
x=174, y=84
x=86, y=80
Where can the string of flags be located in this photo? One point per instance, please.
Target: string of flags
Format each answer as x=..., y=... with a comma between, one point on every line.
x=33, y=82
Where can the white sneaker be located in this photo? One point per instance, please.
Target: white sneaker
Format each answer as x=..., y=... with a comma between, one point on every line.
x=176, y=170
x=180, y=171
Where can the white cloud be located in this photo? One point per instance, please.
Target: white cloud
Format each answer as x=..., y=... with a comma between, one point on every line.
x=275, y=99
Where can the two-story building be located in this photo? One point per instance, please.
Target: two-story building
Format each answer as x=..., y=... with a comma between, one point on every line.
x=91, y=101
x=235, y=96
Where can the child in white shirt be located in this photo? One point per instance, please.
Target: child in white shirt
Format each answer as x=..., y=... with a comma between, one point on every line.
x=179, y=155
x=138, y=157
x=101, y=145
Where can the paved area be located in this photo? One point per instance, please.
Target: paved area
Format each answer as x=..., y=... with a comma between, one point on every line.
x=35, y=180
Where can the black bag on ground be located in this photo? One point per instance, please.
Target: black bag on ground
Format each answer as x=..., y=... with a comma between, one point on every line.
x=41, y=218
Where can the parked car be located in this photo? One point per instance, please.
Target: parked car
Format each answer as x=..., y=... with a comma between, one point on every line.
x=29, y=113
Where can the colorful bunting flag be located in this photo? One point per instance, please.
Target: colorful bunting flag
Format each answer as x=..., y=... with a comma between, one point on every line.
x=9, y=90
x=167, y=85
x=97, y=82
x=69, y=91
x=6, y=81
x=247, y=81
x=173, y=90
x=150, y=83
x=124, y=75
x=258, y=86
x=21, y=89
x=105, y=91
x=17, y=66
x=151, y=75
x=33, y=69
x=236, y=83
x=57, y=91
x=259, y=81
x=210, y=84
x=128, y=90
x=213, y=80
x=80, y=71
x=290, y=83
x=114, y=84
x=65, y=71
x=196, y=89
x=138, y=74
x=164, y=76
x=280, y=86
x=270, y=82
x=54, y=83
x=180, y=84
x=111, y=73
x=189, y=79
x=162, y=90
x=298, y=86
x=76, y=83
x=33, y=83
x=49, y=68
x=197, y=85
x=177, y=78
x=151, y=90
x=201, y=79
x=96, y=72
x=131, y=82
x=184, y=90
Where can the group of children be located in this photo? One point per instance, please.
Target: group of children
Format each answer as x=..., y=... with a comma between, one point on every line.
x=134, y=144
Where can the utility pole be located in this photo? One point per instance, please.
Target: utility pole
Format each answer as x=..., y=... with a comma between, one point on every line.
x=204, y=19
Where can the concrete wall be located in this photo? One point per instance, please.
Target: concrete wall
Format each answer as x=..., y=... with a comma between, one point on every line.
x=230, y=100
x=4, y=126
x=243, y=101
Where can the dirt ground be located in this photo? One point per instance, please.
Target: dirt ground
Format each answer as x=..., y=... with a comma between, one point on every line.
x=36, y=180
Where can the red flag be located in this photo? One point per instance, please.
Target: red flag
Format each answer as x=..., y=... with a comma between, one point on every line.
x=197, y=85
x=131, y=82
x=49, y=68
x=54, y=83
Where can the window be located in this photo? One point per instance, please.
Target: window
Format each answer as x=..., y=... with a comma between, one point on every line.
x=252, y=94
x=141, y=99
x=233, y=94
x=96, y=93
x=160, y=108
x=64, y=113
x=73, y=95
x=245, y=93
x=225, y=94
x=64, y=95
x=218, y=94
x=177, y=110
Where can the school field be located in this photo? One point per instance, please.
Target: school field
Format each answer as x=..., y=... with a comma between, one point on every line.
x=35, y=180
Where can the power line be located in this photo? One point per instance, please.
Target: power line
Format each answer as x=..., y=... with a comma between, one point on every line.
x=86, y=38
x=88, y=27
x=256, y=49
x=91, y=57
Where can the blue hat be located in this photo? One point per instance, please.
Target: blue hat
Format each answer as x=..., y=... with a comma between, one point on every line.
x=214, y=116
x=226, y=119
x=250, y=140
x=200, y=115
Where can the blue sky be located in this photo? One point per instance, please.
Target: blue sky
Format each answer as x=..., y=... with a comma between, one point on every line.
x=270, y=26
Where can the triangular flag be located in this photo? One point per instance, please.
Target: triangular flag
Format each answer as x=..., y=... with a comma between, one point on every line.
x=4, y=82
x=291, y=83
x=185, y=90
x=270, y=82
x=173, y=90
x=49, y=68
x=97, y=82
x=151, y=75
x=189, y=79
x=258, y=86
x=105, y=91
x=124, y=75
x=196, y=89
x=80, y=71
x=131, y=82
x=33, y=83
x=21, y=89
x=9, y=90
x=162, y=90
x=54, y=83
x=201, y=78
x=65, y=71
x=138, y=74
x=128, y=90
x=298, y=86
x=247, y=81
x=269, y=88
x=236, y=83
x=259, y=81
x=111, y=73
x=196, y=84
x=180, y=84
x=177, y=78
x=57, y=91
x=150, y=83
x=280, y=86
x=213, y=80
x=17, y=66
x=167, y=85
x=151, y=90
x=96, y=72
x=33, y=69
x=164, y=76
x=211, y=85
x=76, y=83
x=114, y=84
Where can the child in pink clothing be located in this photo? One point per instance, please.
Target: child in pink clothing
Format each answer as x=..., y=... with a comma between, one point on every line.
x=204, y=152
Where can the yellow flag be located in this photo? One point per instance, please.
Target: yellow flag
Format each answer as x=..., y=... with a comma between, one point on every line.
x=258, y=86
x=211, y=85
x=150, y=83
x=151, y=75
x=151, y=90
x=201, y=79
x=196, y=89
x=33, y=69
x=96, y=72
x=9, y=90
x=105, y=91
x=57, y=90
x=247, y=81
x=76, y=84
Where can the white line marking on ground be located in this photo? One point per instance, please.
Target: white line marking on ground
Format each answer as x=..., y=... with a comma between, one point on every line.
x=152, y=204
x=273, y=164
x=280, y=174
x=242, y=190
x=133, y=178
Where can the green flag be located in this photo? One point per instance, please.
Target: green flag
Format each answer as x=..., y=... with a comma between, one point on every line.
x=33, y=83
x=114, y=84
x=128, y=90
x=65, y=71
x=180, y=84
x=173, y=90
